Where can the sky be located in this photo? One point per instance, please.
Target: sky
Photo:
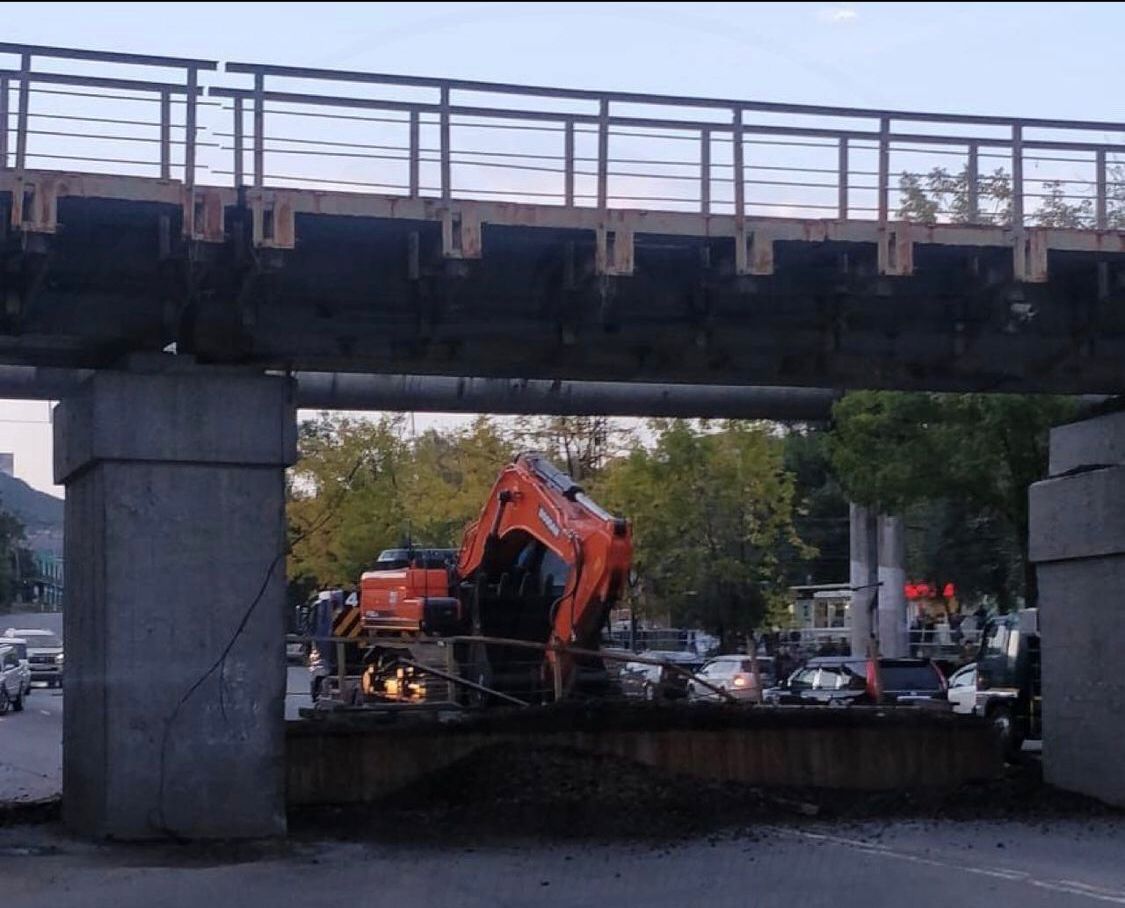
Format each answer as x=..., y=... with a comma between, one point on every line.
x=1041, y=59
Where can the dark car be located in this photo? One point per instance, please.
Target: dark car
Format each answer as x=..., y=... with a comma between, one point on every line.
x=640, y=680
x=844, y=681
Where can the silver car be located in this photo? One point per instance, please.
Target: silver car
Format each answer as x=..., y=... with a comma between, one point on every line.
x=14, y=679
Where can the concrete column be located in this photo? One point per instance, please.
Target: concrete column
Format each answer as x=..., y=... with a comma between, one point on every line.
x=863, y=577
x=1077, y=540
x=893, y=639
x=175, y=539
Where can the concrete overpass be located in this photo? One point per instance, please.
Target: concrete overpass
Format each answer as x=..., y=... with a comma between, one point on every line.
x=272, y=221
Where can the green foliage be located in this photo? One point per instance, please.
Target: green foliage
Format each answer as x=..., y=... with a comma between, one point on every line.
x=711, y=508
x=14, y=557
x=579, y=445
x=820, y=514
x=368, y=486
x=978, y=452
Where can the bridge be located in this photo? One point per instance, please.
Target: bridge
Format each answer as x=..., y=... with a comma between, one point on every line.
x=295, y=218
x=346, y=239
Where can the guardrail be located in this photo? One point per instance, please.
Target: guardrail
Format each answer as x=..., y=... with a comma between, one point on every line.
x=114, y=96
x=462, y=139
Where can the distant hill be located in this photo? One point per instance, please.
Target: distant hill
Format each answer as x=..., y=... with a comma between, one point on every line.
x=41, y=514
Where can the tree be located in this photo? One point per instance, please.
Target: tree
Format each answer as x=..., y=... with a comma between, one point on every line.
x=821, y=515
x=14, y=558
x=579, y=445
x=924, y=199
x=980, y=452
x=710, y=508
x=362, y=486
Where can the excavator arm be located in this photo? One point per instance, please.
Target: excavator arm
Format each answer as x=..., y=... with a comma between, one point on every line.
x=543, y=561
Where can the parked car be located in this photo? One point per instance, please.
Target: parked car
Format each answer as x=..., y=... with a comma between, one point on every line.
x=13, y=679
x=845, y=681
x=658, y=682
x=735, y=675
x=44, y=653
x=962, y=691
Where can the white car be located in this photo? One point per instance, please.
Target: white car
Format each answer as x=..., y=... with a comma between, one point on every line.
x=14, y=679
x=44, y=653
x=735, y=675
x=962, y=691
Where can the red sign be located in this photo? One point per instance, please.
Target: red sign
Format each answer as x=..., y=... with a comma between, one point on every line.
x=928, y=591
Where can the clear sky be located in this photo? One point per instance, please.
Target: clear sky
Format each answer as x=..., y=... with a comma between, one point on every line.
x=1041, y=59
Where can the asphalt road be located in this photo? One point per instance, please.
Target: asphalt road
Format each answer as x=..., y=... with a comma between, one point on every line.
x=1064, y=864
x=31, y=741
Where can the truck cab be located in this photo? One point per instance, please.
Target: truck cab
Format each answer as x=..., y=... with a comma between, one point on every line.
x=1008, y=678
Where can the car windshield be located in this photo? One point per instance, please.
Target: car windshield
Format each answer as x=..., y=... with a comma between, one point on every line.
x=909, y=677
x=41, y=641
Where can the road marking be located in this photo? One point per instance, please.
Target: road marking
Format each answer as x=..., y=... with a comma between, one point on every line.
x=1069, y=887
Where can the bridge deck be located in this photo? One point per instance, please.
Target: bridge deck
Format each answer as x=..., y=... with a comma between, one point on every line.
x=281, y=216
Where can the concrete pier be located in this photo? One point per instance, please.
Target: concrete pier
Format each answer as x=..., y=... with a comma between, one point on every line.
x=175, y=540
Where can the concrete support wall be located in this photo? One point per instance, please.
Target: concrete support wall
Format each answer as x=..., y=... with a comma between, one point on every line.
x=863, y=577
x=1077, y=539
x=855, y=750
x=175, y=527
x=893, y=634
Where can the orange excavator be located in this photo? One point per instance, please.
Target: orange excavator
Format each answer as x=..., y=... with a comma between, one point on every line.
x=542, y=563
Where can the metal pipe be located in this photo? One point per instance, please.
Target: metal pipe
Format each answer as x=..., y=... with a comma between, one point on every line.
x=441, y=394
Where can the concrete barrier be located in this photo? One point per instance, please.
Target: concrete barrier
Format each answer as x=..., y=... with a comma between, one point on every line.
x=342, y=760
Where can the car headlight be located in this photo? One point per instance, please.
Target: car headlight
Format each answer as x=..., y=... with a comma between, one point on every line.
x=59, y=659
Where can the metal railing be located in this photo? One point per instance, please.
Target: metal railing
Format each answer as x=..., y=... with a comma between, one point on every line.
x=725, y=156
x=285, y=127
x=76, y=107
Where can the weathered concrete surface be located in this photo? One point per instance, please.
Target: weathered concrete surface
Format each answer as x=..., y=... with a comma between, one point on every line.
x=175, y=527
x=341, y=763
x=893, y=640
x=1091, y=442
x=1077, y=539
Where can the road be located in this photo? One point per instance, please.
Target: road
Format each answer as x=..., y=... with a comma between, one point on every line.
x=31, y=741
x=1066, y=864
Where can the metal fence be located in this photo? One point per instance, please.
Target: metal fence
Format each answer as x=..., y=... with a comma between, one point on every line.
x=280, y=126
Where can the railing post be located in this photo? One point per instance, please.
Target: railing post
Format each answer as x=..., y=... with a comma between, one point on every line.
x=259, y=129
x=415, y=154
x=1101, y=205
x=568, y=164
x=973, y=176
x=705, y=171
x=189, y=126
x=739, y=168
x=842, y=179
x=603, y=154
x=238, y=143
x=884, y=169
x=21, y=114
x=165, y=135
x=446, y=157
x=4, y=88
x=1017, y=176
